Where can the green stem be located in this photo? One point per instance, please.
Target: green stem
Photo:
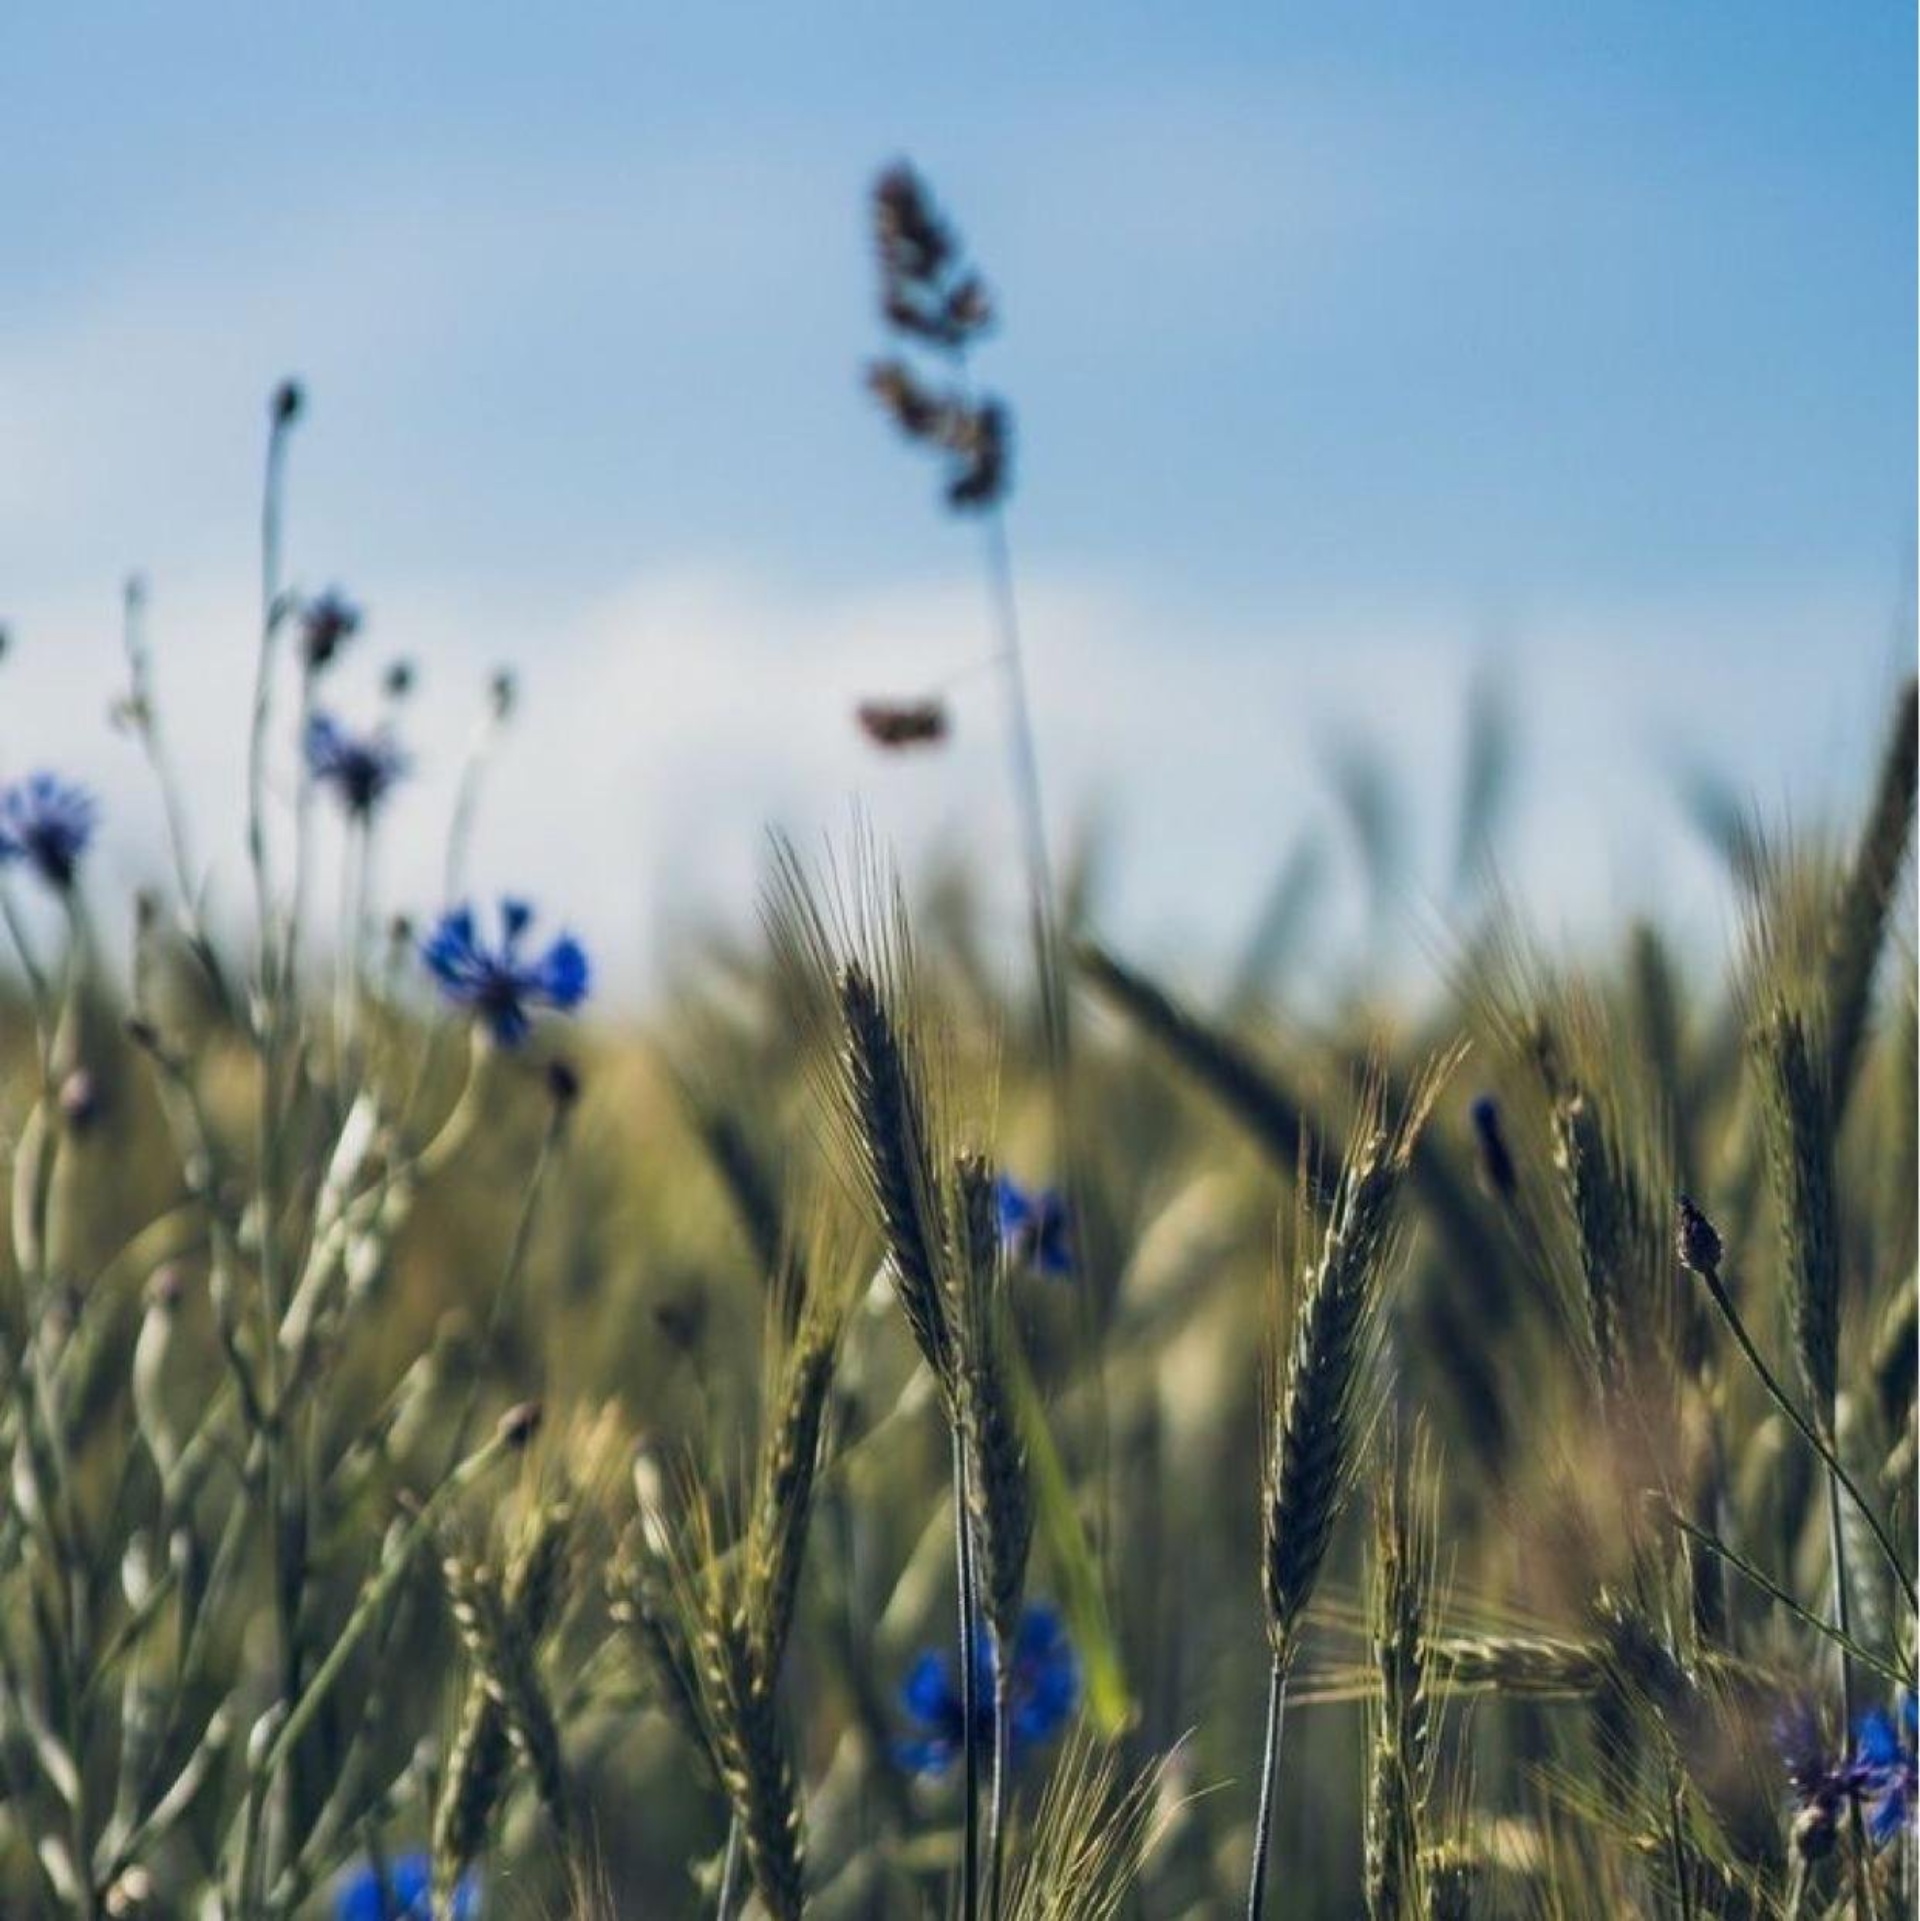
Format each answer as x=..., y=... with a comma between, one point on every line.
x=969, y=1706
x=509, y=1272
x=1001, y=1788
x=729, y=1872
x=1716, y=1288
x=1269, y=1787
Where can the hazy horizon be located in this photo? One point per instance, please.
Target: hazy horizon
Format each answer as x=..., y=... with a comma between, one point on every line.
x=1346, y=355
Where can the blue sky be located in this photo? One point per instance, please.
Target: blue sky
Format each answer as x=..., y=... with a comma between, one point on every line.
x=1349, y=346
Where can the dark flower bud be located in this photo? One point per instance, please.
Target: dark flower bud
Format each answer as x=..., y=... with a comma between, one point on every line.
x=326, y=625
x=518, y=1425
x=288, y=400
x=563, y=1083
x=1696, y=1239
x=1496, y=1159
x=503, y=693
x=80, y=1100
x=682, y=1322
x=398, y=681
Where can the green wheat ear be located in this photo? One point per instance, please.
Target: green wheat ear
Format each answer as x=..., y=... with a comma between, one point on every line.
x=1325, y=1401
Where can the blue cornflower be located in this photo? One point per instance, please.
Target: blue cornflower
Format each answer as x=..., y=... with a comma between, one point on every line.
x=499, y=984
x=360, y=768
x=1046, y=1690
x=1035, y=1230
x=46, y=822
x=407, y=1894
x=1878, y=1772
x=1884, y=1761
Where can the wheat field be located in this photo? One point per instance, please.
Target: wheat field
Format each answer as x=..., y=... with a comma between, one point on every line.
x=896, y=1433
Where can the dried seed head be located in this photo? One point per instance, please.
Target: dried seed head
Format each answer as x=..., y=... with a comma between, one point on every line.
x=518, y=1425
x=927, y=290
x=913, y=243
x=894, y=724
x=563, y=1083
x=982, y=440
x=1696, y=1239
x=911, y=408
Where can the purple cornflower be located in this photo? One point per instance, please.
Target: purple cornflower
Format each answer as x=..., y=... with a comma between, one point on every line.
x=405, y=1893
x=1878, y=1772
x=46, y=822
x=360, y=768
x=1046, y=1690
x=1821, y=1779
x=1035, y=1230
x=1884, y=1759
x=498, y=985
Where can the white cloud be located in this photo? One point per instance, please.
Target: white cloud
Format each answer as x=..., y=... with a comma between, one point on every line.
x=664, y=727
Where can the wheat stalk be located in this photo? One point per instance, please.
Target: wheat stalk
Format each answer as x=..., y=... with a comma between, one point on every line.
x=1310, y=1461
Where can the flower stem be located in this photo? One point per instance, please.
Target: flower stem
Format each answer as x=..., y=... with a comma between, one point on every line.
x=1269, y=1786
x=1716, y=1288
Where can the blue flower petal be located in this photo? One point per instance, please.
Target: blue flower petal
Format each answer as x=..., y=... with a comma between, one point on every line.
x=563, y=974
x=1877, y=1742
x=407, y=1895
x=928, y=1693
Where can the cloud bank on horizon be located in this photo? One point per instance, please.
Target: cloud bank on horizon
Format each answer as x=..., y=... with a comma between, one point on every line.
x=1341, y=351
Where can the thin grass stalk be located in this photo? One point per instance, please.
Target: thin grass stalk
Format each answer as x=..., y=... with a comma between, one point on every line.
x=729, y=1872
x=1859, y=1859
x=1677, y=1848
x=1000, y=1790
x=513, y=1433
x=1703, y=1261
x=146, y=718
x=968, y=1586
x=355, y=882
x=270, y=1013
x=1269, y=1786
x=510, y=1270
